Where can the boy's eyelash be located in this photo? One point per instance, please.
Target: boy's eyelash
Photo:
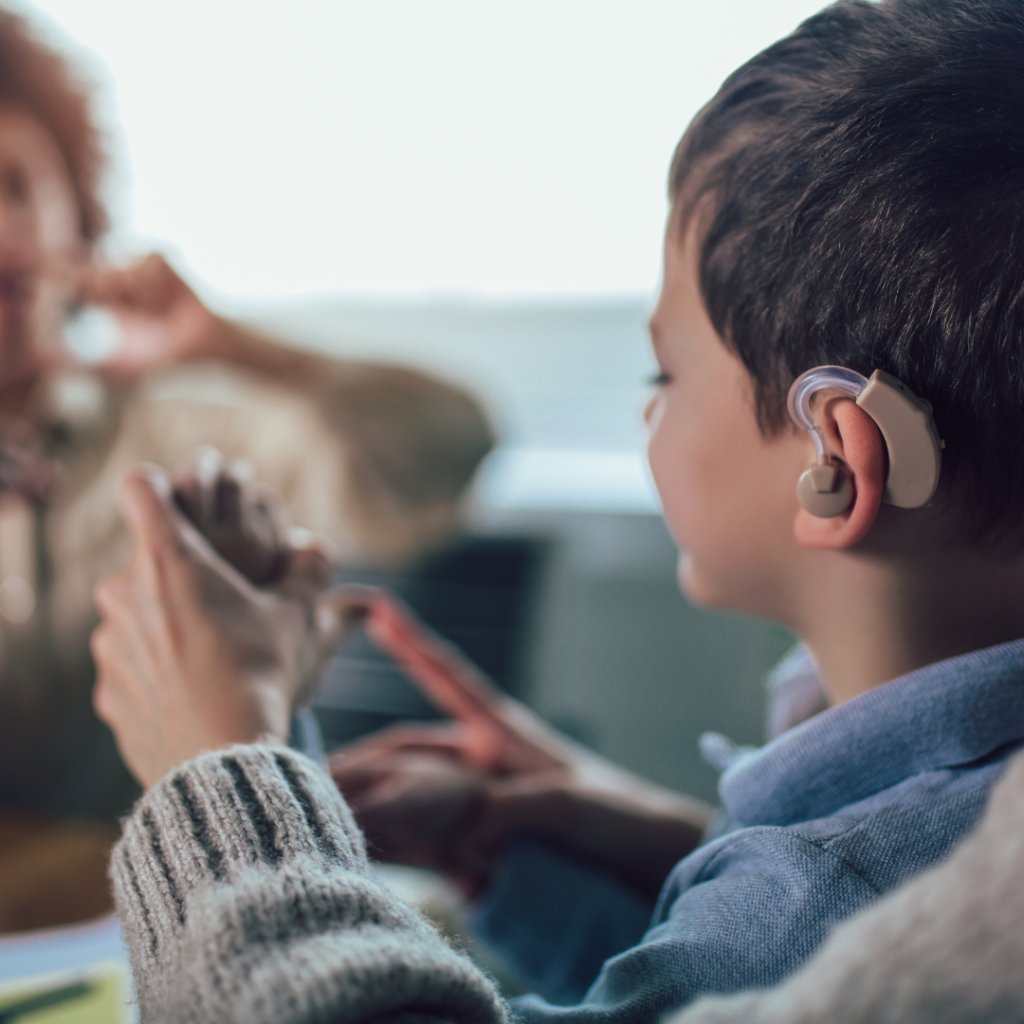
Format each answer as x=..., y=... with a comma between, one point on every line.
x=657, y=380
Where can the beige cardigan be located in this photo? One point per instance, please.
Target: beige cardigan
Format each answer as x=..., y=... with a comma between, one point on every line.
x=379, y=465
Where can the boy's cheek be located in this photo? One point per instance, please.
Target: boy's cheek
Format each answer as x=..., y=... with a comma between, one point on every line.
x=667, y=472
x=695, y=479
x=732, y=534
x=692, y=518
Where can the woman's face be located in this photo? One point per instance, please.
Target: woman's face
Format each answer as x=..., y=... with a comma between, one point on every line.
x=39, y=241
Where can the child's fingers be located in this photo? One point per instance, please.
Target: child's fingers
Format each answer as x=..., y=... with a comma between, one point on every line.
x=338, y=608
x=514, y=806
x=188, y=497
x=354, y=780
x=452, y=682
x=443, y=740
x=227, y=501
x=312, y=562
x=208, y=466
x=448, y=679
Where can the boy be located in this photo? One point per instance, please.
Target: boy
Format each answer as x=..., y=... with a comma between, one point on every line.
x=852, y=197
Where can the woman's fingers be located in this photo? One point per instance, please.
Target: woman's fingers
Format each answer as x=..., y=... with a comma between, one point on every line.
x=144, y=501
x=149, y=284
x=117, y=603
x=169, y=554
x=121, y=693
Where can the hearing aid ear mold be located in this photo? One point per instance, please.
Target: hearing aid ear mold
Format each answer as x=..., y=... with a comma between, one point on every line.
x=825, y=491
x=905, y=422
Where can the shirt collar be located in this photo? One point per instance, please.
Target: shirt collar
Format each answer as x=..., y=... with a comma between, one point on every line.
x=946, y=714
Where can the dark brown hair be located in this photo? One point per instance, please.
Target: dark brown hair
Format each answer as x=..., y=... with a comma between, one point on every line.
x=43, y=83
x=861, y=195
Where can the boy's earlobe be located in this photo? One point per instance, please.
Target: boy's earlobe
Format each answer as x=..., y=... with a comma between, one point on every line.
x=859, y=455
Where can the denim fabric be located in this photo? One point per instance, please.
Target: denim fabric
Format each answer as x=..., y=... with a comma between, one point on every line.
x=826, y=818
x=577, y=917
x=795, y=693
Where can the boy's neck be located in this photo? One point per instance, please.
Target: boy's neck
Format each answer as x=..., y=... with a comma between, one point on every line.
x=870, y=621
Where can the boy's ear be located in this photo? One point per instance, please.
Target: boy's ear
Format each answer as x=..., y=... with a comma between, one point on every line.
x=853, y=438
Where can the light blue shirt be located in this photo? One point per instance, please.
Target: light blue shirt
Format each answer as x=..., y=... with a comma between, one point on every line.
x=824, y=819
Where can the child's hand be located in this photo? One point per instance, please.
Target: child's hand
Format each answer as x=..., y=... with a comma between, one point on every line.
x=242, y=520
x=190, y=655
x=453, y=796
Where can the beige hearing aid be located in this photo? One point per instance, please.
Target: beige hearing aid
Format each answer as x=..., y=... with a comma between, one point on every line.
x=915, y=450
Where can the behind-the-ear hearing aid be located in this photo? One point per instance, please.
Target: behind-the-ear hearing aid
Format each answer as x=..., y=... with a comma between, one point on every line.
x=915, y=450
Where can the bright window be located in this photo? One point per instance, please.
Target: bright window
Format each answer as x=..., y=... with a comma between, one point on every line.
x=319, y=146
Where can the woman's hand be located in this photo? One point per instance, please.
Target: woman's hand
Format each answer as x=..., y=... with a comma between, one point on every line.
x=162, y=320
x=190, y=655
x=453, y=796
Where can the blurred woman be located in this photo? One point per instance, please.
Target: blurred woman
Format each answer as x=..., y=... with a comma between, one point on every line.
x=385, y=453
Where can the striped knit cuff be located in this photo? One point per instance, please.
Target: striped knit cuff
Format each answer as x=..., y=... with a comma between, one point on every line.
x=246, y=805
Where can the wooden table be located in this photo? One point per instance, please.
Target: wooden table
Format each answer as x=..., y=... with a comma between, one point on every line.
x=52, y=873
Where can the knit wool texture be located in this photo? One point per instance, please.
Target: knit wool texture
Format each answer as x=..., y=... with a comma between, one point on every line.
x=243, y=887
x=242, y=884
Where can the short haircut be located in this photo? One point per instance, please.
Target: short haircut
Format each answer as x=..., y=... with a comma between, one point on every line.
x=42, y=82
x=860, y=193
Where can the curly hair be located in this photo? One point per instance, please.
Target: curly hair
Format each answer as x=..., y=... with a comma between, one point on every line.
x=860, y=189
x=43, y=82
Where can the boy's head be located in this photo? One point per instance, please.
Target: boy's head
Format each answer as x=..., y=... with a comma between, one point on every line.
x=855, y=195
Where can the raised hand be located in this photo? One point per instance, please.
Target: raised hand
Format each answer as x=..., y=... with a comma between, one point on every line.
x=190, y=655
x=243, y=521
x=491, y=731
x=453, y=796
x=162, y=320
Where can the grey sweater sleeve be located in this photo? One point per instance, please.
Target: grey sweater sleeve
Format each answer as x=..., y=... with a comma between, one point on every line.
x=243, y=888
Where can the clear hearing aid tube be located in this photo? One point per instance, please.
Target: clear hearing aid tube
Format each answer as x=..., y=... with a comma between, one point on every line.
x=804, y=388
